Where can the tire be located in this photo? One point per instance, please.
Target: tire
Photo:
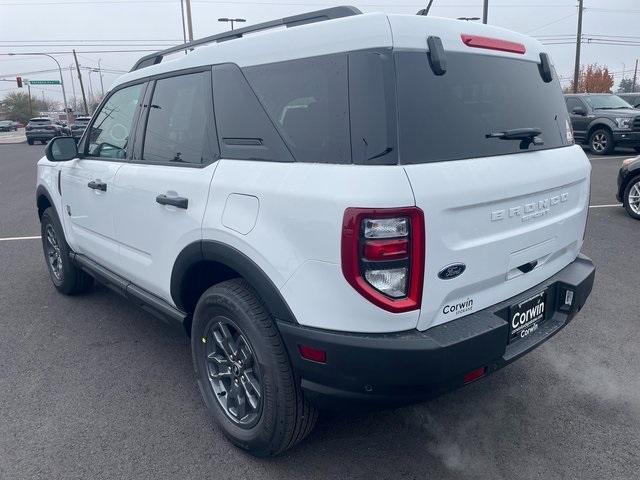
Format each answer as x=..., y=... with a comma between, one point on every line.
x=637, y=149
x=281, y=416
x=30, y=141
x=601, y=142
x=66, y=277
x=631, y=198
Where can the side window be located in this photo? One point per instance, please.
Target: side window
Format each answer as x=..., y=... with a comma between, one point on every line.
x=110, y=132
x=307, y=100
x=372, y=107
x=180, y=125
x=245, y=130
x=573, y=103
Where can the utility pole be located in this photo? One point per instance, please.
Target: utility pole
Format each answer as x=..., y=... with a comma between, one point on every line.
x=73, y=87
x=635, y=77
x=184, y=31
x=100, y=73
x=485, y=11
x=84, y=98
x=576, y=71
x=189, y=24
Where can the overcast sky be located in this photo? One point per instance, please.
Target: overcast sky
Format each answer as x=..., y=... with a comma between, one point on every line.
x=91, y=25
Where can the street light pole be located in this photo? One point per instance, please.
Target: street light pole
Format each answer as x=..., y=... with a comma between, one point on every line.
x=485, y=11
x=64, y=94
x=189, y=22
x=232, y=20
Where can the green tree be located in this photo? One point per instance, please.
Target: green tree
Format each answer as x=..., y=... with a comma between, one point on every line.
x=626, y=86
x=16, y=106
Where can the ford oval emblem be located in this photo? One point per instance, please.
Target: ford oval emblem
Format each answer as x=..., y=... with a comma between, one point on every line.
x=452, y=271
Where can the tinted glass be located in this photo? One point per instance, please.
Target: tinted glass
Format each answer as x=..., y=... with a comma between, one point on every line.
x=573, y=103
x=244, y=128
x=372, y=108
x=448, y=117
x=307, y=100
x=180, y=127
x=109, y=135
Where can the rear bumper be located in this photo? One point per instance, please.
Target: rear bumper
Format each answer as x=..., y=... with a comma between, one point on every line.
x=41, y=135
x=404, y=367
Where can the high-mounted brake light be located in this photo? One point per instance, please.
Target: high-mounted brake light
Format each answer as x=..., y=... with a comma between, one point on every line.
x=383, y=252
x=476, y=41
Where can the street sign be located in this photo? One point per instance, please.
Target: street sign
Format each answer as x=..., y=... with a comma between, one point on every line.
x=44, y=82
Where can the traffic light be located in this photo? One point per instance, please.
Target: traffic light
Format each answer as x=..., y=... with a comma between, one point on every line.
x=19, y=81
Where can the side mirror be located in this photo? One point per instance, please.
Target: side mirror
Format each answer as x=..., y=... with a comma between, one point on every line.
x=579, y=111
x=61, y=149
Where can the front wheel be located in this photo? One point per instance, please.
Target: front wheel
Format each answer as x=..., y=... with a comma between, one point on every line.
x=66, y=277
x=243, y=371
x=631, y=198
x=601, y=142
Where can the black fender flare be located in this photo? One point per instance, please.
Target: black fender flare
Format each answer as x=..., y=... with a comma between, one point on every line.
x=41, y=191
x=211, y=250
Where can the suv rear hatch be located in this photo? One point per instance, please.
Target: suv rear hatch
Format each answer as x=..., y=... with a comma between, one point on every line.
x=511, y=210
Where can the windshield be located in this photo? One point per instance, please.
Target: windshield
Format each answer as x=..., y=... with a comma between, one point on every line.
x=606, y=102
x=5, y=122
x=483, y=105
x=40, y=120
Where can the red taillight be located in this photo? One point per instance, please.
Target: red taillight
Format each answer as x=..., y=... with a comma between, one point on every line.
x=474, y=375
x=386, y=249
x=383, y=254
x=476, y=41
x=313, y=354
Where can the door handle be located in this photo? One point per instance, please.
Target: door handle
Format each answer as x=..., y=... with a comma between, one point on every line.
x=97, y=185
x=180, y=202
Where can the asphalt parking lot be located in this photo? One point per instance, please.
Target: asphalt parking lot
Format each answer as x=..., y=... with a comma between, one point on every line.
x=93, y=387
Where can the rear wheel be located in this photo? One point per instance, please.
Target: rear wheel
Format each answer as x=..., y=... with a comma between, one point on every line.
x=244, y=373
x=637, y=149
x=631, y=198
x=601, y=142
x=66, y=277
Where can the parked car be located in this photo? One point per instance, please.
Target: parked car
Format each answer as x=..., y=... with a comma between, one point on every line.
x=8, y=126
x=632, y=99
x=381, y=214
x=603, y=121
x=78, y=126
x=629, y=186
x=43, y=129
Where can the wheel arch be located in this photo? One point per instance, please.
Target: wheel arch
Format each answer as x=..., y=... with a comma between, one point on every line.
x=43, y=201
x=204, y=263
x=599, y=123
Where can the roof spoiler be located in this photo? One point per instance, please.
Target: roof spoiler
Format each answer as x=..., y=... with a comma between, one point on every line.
x=293, y=21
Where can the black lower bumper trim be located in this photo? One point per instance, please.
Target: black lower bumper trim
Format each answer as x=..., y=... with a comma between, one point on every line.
x=403, y=367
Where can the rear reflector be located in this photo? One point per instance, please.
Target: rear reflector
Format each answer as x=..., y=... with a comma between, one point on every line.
x=474, y=374
x=476, y=41
x=313, y=354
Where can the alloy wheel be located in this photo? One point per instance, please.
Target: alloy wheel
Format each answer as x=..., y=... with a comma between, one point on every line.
x=634, y=198
x=54, y=255
x=233, y=372
x=599, y=142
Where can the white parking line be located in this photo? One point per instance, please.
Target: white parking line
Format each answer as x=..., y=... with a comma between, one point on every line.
x=606, y=206
x=19, y=238
x=610, y=157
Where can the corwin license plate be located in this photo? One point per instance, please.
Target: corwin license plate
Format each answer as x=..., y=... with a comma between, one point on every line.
x=525, y=317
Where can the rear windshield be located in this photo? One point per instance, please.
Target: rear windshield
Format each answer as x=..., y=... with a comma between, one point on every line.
x=448, y=117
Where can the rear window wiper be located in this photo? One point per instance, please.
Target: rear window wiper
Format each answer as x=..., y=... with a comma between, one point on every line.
x=526, y=135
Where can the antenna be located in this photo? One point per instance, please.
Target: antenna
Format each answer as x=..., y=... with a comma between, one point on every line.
x=425, y=11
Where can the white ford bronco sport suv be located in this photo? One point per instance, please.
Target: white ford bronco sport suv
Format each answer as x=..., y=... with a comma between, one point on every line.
x=356, y=209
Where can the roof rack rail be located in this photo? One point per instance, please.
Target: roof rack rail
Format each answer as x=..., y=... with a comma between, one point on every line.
x=293, y=21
